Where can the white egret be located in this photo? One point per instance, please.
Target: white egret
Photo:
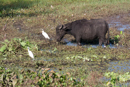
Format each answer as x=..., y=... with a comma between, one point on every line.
x=30, y=53
x=45, y=34
x=52, y=7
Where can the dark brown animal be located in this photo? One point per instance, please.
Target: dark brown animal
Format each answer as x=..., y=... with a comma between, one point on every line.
x=84, y=30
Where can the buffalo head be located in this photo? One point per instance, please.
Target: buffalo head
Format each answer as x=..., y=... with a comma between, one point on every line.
x=60, y=32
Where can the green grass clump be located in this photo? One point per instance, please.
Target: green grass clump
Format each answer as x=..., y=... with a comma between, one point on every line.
x=59, y=7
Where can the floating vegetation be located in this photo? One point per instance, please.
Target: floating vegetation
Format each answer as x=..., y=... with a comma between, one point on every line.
x=41, y=77
x=116, y=78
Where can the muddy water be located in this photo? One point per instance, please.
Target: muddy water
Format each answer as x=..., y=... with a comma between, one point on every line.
x=119, y=66
x=116, y=22
x=119, y=25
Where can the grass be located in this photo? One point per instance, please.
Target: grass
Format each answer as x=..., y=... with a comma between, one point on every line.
x=24, y=18
x=61, y=8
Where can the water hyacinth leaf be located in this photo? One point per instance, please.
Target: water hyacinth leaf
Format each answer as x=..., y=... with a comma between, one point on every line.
x=55, y=49
x=104, y=57
x=3, y=48
x=117, y=36
x=65, y=19
x=21, y=77
x=86, y=58
x=92, y=60
x=1, y=68
x=124, y=77
x=71, y=79
x=89, y=48
x=6, y=40
x=121, y=32
x=10, y=48
x=28, y=43
x=94, y=56
x=20, y=39
x=15, y=39
x=8, y=71
x=23, y=44
x=67, y=58
x=51, y=80
x=36, y=47
x=79, y=57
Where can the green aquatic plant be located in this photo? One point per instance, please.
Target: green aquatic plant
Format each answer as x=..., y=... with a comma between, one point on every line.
x=116, y=38
x=15, y=45
x=116, y=77
x=75, y=57
x=121, y=32
x=84, y=58
x=54, y=50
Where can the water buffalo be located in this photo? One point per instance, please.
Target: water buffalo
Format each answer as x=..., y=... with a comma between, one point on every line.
x=84, y=30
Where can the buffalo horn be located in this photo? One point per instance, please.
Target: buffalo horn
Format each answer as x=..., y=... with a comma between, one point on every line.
x=60, y=27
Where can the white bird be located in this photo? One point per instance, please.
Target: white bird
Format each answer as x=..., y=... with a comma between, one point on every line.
x=45, y=34
x=52, y=7
x=30, y=53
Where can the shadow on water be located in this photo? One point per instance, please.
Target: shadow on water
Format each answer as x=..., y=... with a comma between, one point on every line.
x=93, y=45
